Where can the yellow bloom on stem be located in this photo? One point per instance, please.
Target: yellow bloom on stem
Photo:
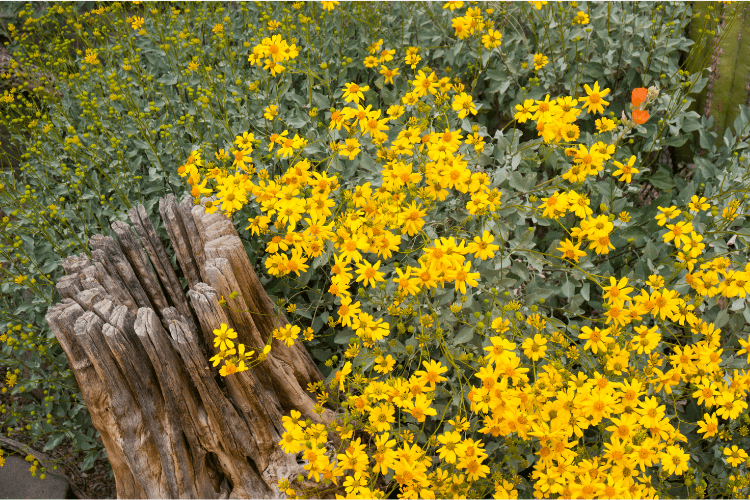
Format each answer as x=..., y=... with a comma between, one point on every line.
x=482, y=247
x=463, y=103
x=420, y=408
x=625, y=171
x=432, y=374
x=369, y=274
x=341, y=374
x=665, y=302
x=492, y=39
x=679, y=233
x=698, y=203
x=596, y=339
x=524, y=111
x=735, y=456
x=328, y=5
x=350, y=148
x=389, y=74
x=348, y=310
x=555, y=205
x=571, y=251
x=666, y=214
x=288, y=334
x=594, y=101
x=535, y=348
x=617, y=292
x=354, y=93
x=270, y=112
x=382, y=416
x=540, y=61
x=137, y=23
x=224, y=334
x=384, y=364
x=605, y=125
x=412, y=219
x=745, y=348
x=424, y=84
x=581, y=18
x=449, y=440
x=370, y=61
x=709, y=426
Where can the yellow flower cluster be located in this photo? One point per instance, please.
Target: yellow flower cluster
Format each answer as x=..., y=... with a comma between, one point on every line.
x=555, y=119
x=271, y=52
x=470, y=23
x=526, y=394
x=233, y=358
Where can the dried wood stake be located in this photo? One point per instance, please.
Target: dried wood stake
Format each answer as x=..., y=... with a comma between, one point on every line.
x=139, y=350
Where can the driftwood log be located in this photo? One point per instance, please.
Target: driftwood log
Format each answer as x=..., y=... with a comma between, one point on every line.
x=139, y=348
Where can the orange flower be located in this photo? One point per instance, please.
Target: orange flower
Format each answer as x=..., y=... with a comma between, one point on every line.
x=640, y=117
x=639, y=96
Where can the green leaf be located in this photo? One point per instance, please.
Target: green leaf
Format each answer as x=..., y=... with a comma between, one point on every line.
x=54, y=441
x=88, y=462
x=586, y=291
x=568, y=289
x=662, y=179
x=343, y=336
x=464, y=335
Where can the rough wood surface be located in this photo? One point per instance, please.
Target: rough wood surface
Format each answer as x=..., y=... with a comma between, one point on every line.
x=135, y=255
x=62, y=318
x=159, y=259
x=131, y=429
x=180, y=241
x=191, y=230
x=110, y=281
x=68, y=286
x=139, y=349
x=107, y=253
x=75, y=263
x=264, y=314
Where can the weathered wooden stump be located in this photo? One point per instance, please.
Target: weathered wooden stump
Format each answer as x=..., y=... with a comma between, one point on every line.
x=172, y=427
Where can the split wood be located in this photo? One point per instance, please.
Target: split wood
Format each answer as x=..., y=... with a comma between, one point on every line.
x=138, y=346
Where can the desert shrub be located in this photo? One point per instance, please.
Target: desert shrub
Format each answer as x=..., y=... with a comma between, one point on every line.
x=469, y=211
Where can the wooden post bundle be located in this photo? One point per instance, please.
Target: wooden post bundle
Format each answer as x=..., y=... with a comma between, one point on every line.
x=138, y=346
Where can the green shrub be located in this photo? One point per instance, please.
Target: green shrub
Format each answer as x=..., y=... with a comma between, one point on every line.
x=140, y=90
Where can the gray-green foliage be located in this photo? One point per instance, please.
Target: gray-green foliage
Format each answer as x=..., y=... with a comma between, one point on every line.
x=100, y=138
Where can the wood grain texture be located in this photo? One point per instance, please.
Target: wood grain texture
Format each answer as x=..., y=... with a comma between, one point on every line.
x=180, y=241
x=185, y=209
x=140, y=264
x=75, y=263
x=265, y=315
x=68, y=286
x=107, y=252
x=131, y=429
x=62, y=318
x=140, y=347
x=159, y=259
x=261, y=409
x=111, y=281
x=183, y=407
x=232, y=432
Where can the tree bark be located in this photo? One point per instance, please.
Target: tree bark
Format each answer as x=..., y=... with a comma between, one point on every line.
x=138, y=346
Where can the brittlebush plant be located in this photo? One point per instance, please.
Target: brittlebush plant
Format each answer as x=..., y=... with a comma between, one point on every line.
x=464, y=209
x=592, y=401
